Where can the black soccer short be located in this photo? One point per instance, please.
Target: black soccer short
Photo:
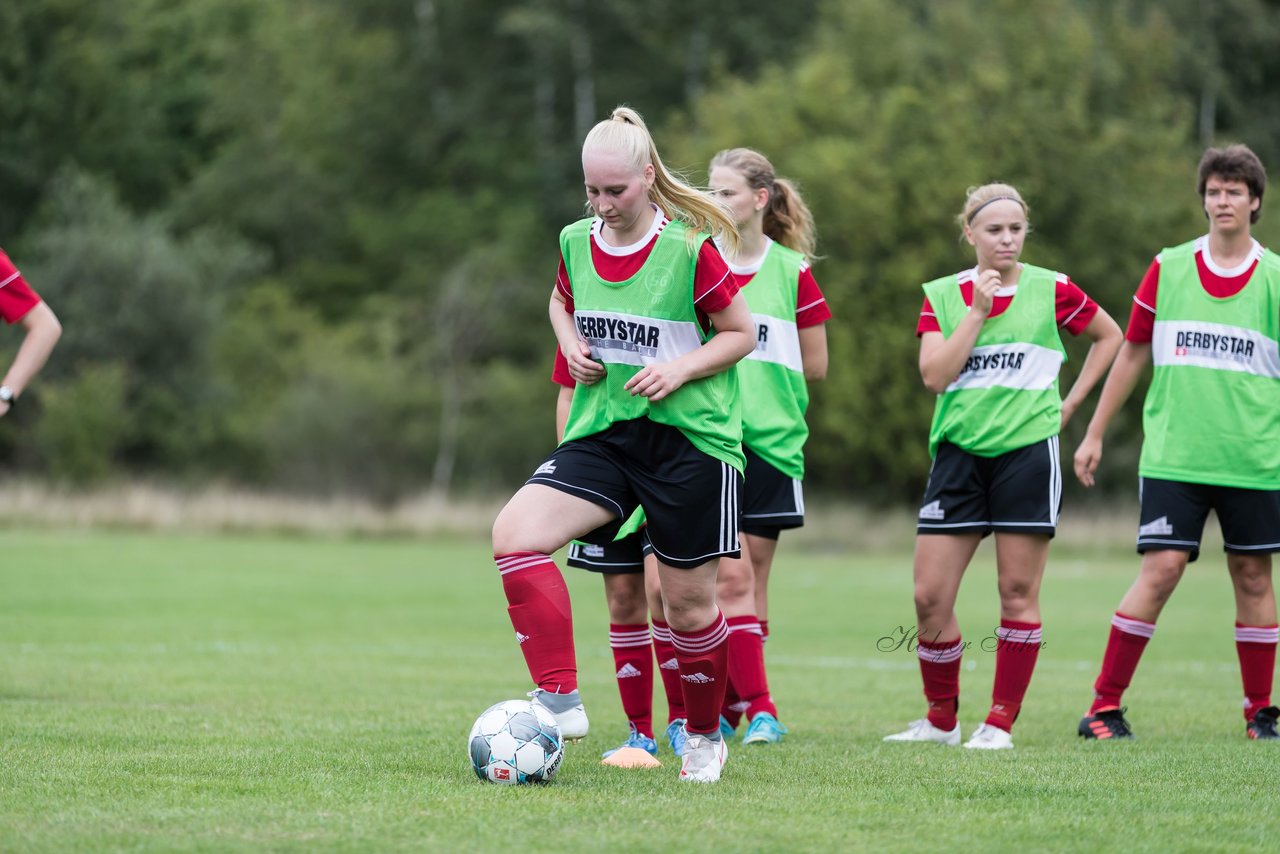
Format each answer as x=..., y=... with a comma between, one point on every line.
x=691, y=500
x=771, y=501
x=1018, y=492
x=1173, y=516
x=598, y=551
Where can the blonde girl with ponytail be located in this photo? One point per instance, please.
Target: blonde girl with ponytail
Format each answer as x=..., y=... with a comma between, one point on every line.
x=649, y=322
x=771, y=266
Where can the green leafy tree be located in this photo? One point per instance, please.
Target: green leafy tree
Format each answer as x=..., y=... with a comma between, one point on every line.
x=84, y=424
x=133, y=294
x=118, y=87
x=895, y=110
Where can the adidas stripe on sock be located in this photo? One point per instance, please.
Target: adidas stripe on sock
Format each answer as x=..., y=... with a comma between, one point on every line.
x=703, y=658
x=1256, y=650
x=1125, y=645
x=940, y=672
x=633, y=661
x=538, y=605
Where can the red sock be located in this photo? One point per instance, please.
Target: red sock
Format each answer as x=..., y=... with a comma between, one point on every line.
x=1256, y=648
x=733, y=706
x=1017, y=648
x=669, y=669
x=746, y=666
x=940, y=670
x=1124, y=648
x=703, y=657
x=538, y=604
x=633, y=657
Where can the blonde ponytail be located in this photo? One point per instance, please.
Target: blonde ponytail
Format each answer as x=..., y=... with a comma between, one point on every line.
x=786, y=218
x=625, y=131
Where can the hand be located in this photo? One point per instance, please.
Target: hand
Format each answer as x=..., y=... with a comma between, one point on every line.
x=584, y=369
x=984, y=290
x=1088, y=455
x=656, y=381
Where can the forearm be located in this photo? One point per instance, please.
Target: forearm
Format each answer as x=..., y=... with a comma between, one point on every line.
x=722, y=352
x=941, y=364
x=813, y=352
x=562, y=323
x=43, y=332
x=1100, y=357
x=735, y=337
x=1095, y=365
x=1107, y=338
x=1126, y=370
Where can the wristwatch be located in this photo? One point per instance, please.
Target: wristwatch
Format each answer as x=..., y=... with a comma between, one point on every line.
x=7, y=396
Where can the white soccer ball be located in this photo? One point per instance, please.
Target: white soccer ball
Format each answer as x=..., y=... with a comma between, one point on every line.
x=515, y=742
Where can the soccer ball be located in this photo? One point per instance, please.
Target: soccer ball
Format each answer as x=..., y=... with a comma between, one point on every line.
x=515, y=742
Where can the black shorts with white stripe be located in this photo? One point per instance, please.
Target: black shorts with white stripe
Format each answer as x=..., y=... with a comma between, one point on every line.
x=599, y=551
x=1173, y=516
x=1018, y=492
x=771, y=501
x=691, y=500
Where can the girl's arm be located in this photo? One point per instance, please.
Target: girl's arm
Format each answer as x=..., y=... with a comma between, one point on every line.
x=942, y=358
x=1107, y=338
x=43, y=331
x=1129, y=364
x=813, y=352
x=582, y=367
x=735, y=337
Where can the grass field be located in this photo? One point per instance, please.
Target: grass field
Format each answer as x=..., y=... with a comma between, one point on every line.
x=169, y=693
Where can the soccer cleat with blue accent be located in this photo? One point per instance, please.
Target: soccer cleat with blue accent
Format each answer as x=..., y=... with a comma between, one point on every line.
x=727, y=730
x=922, y=730
x=1105, y=724
x=764, y=729
x=1263, y=725
x=643, y=742
x=677, y=737
x=572, y=720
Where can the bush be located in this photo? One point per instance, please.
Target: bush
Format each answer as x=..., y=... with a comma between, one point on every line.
x=83, y=424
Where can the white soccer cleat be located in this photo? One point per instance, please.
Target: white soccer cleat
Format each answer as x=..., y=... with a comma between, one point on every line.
x=987, y=737
x=703, y=759
x=922, y=730
x=572, y=722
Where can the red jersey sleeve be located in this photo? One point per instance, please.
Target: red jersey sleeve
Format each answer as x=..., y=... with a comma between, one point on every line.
x=811, y=305
x=560, y=371
x=16, y=296
x=1075, y=309
x=1142, y=317
x=928, y=321
x=713, y=284
x=562, y=285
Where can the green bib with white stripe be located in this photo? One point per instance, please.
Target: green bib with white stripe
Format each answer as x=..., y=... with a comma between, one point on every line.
x=647, y=319
x=1006, y=396
x=1212, y=413
x=774, y=392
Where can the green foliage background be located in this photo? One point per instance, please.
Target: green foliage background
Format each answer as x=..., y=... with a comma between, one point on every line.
x=308, y=244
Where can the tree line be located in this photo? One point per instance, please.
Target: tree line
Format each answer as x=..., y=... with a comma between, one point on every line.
x=308, y=244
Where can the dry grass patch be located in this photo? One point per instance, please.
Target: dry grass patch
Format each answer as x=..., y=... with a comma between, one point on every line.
x=831, y=526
